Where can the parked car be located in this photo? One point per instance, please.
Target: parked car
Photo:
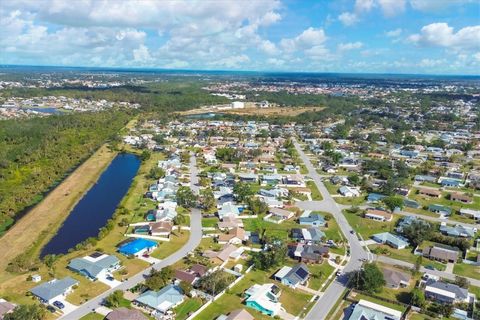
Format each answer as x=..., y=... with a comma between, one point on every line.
x=430, y=267
x=58, y=304
x=110, y=278
x=51, y=309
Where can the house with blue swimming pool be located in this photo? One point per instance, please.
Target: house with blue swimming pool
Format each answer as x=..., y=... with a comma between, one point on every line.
x=137, y=247
x=264, y=298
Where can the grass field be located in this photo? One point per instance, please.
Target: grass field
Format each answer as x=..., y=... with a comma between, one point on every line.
x=319, y=274
x=92, y=316
x=316, y=195
x=177, y=240
x=188, y=306
x=368, y=227
x=467, y=270
x=332, y=188
x=351, y=201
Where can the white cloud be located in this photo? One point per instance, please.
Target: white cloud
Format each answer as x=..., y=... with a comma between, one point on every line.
x=391, y=8
x=442, y=35
x=364, y=5
x=176, y=64
x=394, y=33
x=232, y=62
x=269, y=47
x=142, y=55
x=276, y=62
x=350, y=46
x=348, y=18
x=432, y=62
x=307, y=39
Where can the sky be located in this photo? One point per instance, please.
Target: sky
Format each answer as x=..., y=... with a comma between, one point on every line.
x=373, y=36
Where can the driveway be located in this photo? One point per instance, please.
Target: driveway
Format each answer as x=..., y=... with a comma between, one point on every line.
x=111, y=283
x=68, y=306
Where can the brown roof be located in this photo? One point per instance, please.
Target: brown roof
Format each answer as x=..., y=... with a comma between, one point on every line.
x=460, y=197
x=393, y=278
x=381, y=213
x=5, y=307
x=441, y=253
x=280, y=212
x=126, y=314
x=199, y=269
x=162, y=226
x=234, y=233
x=240, y=314
x=226, y=252
x=429, y=192
x=185, y=276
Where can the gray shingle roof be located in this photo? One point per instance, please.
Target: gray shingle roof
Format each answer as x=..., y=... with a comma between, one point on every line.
x=51, y=289
x=93, y=268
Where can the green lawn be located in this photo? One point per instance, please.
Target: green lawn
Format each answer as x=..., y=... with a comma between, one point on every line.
x=210, y=222
x=368, y=227
x=92, y=316
x=188, y=306
x=456, y=205
x=394, y=306
x=280, y=231
x=406, y=255
x=351, y=201
x=316, y=195
x=319, y=274
x=467, y=270
x=177, y=240
x=332, y=188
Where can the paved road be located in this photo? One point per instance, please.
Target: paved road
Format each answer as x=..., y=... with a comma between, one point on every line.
x=334, y=291
x=193, y=242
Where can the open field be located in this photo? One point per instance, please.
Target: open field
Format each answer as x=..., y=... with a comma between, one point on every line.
x=368, y=227
x=251, y=109
x=34, y=230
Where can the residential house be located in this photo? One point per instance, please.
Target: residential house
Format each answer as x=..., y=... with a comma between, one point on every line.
x=440, y=209
x=191, y=275
x=228, y=209
x=474, y=214
x=53, y=290
x=307, y=235
x=95, y=266
x=411, y=203
x=392, y=240
x=375, y=197
x=406, y=221
x=378, y=215
x=440, y=291
x=429, y=192
x=137, y=247
x=234, y=236
x=441, y=253
x=239, y=314
x=458, y=231
x=461, y=197
x=293, y=276
x=161, y=229
x=229, y=251
x=312, y=219
x=161, y=301
x=5, y=307
x=308, y=253
x=293, y=180
x=229, y=222
x=423, y=178
x=347, y=191
x=368, y=310
x=281, y=214
x=126, y=314
x=450, y=183
x=264, y=298
x=395, y=279
x=248, y=177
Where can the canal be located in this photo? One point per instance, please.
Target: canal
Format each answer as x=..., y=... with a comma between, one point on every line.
x=97, y=205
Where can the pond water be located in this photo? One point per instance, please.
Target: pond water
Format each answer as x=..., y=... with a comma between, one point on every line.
x=97, y=205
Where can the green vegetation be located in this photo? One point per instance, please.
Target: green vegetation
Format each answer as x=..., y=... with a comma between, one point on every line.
x=190, y=305
x=467, y=270
x=35, y=154
x=92, y=316
x=316, y=195
x=27, y=312
x=369, y=278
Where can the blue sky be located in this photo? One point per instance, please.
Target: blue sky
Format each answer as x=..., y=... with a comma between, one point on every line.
x=379, y=36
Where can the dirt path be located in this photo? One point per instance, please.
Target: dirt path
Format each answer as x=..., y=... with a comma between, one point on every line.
x=33, y=230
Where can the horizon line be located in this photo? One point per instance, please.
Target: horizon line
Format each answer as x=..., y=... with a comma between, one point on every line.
x=236, y=70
